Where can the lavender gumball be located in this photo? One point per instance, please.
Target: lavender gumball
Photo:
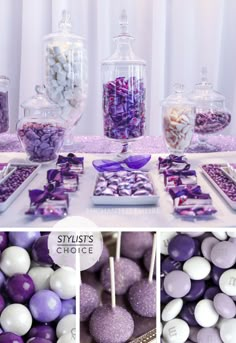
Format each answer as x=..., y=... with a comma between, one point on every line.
x=40, y=251
x=102, y=260
x=45, y=306
x=3, y=241
x=43, y=331
x=134, y=244
x=38, y=340
x=8, y=337
x=127, y=272
x=147, y=261
x=23, y=239
x=67, y=307
x=89, y=301
x=142, y=298
x=111, y=324
x=20, y=288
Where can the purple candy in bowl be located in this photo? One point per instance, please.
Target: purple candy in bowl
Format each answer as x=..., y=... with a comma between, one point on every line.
x=41, y=131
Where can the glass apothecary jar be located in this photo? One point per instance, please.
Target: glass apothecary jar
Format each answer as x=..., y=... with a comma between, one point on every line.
x=66, y=70
x=211, y=114
x=178, y=114
x=124, y=91
x=4, y=104
x=41, y=130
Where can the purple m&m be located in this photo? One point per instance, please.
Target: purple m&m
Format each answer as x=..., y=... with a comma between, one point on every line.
x=181, y=247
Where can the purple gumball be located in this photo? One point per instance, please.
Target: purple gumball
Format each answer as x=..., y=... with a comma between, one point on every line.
x=43, y=331
x=20, y=288
x=23, y=239
x=40, y=251
x=8, y=337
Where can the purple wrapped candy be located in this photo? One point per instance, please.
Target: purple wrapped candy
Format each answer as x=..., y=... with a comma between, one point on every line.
x=89, y=301
x=8, y=337
x=102, y=260
x=109, y=323
x=172, y=162
x=124, y=108
x=196, y=211
x=127, y=272
x=4, y=112
x=41, y=142
x=142, y=298
x=45, y=306
x=20, y=288
x=75, y=164
x=211, y=122
x=8, y=187
x=189, y=196
x=43, y=331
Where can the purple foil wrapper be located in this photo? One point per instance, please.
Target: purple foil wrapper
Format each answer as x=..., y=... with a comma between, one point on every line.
x=41, y=141
x=179, y=178
x=227, y=185
x=75, y=164
x=64, y=178
x=172, y=162
x=196, y=211
x=123, y=183
x=124, y=108
x=4, y=112
x=8, y=187
x=189, y=196
x=211, y=122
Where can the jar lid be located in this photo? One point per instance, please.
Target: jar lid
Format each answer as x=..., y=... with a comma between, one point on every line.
x=40, y=101
x=4, y=81
x=64, y=29
x=179, y=97
x=204, y=91
x=124, y=53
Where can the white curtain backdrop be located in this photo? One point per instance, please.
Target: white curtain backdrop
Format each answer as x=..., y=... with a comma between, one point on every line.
x=176, y=37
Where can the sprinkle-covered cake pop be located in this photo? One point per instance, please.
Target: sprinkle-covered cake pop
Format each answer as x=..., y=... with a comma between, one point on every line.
x=127, y=272
x=102, y=260
x=142, y=295
x=89, y=301
x=111, y=323
x=134, y=244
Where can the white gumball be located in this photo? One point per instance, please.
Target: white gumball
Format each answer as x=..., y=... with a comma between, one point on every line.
x=68, y=338
x=63, y=282
x=176, y=331
x=41, y=277
x=16, y=318
x=66, y=325
x=15, y=260
x=205, y=313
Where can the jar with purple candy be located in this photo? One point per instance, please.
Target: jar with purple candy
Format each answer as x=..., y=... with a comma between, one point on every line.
x=66, y=70
x=4, y=109
x=124, y=90
x=211, y=114
x=41, y=130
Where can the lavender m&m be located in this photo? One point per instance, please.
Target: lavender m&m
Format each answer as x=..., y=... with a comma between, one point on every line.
x=206, y=335
x=224, y=306
x=20, y=288
x=45, y=306
x=177, y=284
x=41, y=141
x=181, y=247
x=223, y=255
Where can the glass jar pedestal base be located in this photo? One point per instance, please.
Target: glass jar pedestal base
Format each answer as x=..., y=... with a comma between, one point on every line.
x=202, y=145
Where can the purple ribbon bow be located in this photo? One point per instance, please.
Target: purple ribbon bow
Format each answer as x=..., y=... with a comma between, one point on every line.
x=55, y=175
x=192, y=193
x=132, y=162
x=183, y=172
x=38, y=196
x=171, y=159
x=70, y=158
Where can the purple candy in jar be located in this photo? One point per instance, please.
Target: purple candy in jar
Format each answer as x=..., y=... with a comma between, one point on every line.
x=4, y=108
x=211, y=121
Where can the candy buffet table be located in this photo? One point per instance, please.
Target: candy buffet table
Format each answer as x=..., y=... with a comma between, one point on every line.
x=109, y=216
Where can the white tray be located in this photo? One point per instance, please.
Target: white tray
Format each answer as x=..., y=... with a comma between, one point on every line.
x=13, y=196
x=126, y=200
x=230, y=202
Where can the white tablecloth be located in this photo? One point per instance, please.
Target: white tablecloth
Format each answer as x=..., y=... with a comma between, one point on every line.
x=124, y=217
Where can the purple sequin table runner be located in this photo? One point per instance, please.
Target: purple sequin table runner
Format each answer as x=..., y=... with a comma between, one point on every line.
x=98, y=144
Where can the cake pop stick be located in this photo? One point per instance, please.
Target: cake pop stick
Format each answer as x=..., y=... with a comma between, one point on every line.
x=113, y=286
x=154, y=248
x=118, y=244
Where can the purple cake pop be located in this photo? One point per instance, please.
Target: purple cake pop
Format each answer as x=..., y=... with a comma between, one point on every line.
x=40, y=251
x=134, y=244
x=127, y=272
x=142, y=298
x=89, y=301
x=20, y=288
x=43, y=331
x=45, y=306
x=8, y=337
x=109, y=324
x=102, y=260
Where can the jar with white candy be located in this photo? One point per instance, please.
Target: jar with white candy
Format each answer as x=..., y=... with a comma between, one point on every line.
x=65, y=70
x=178, y=120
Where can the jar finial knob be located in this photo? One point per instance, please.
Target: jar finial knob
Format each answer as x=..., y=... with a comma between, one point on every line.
x=204, y=73
x=124, y=22
x=65, y=23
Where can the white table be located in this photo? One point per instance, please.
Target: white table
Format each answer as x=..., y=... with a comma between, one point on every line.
x=125, y=217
